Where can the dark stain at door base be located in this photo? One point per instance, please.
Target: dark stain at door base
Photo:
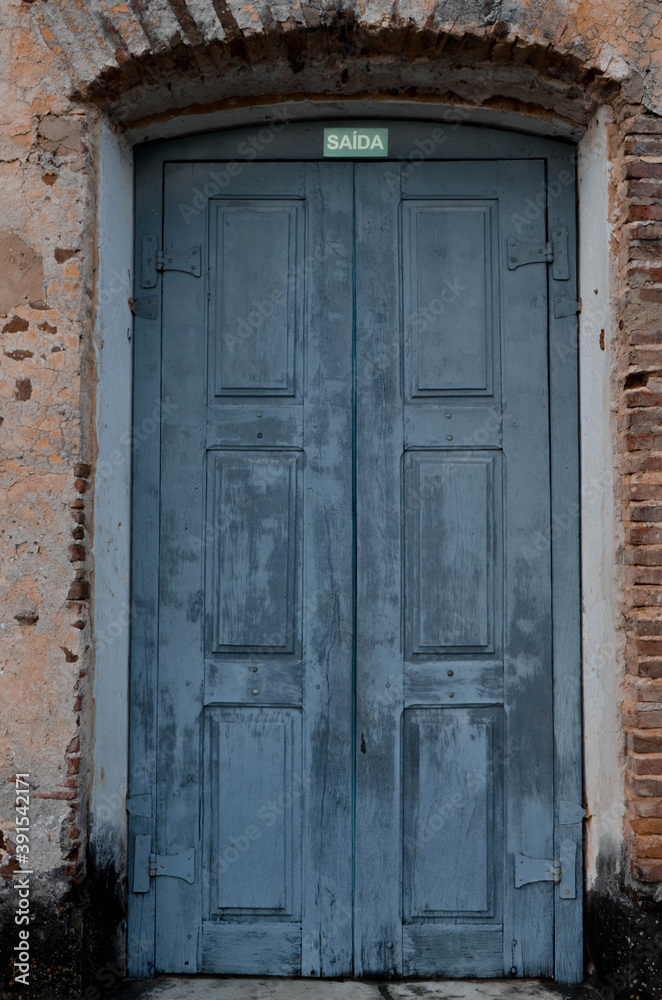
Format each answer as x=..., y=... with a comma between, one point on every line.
x=623, y=932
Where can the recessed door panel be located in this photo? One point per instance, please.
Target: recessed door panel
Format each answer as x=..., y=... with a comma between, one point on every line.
x=451, y=551
x=252, y=795
x=451, y=813
x=254, y=550
x=257, y=295
x=448, y=304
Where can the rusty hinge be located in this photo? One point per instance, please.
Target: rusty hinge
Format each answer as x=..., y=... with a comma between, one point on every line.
x=561, y=870
x=554, y=251
x=147, y=865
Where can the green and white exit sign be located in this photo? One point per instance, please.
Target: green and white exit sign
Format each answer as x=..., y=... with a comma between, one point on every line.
x=356, y=142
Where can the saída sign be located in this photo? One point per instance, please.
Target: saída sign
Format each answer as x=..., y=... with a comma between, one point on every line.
x=351, y=142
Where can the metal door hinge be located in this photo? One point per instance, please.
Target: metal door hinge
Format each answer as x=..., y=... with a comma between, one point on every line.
x=148, y=250
x=139, y=805
x=181, y=260
x=145, y=307
x=571, y=812
x=555, y=252
x=153, y=260
x=565, y=305
x=147, y=865
x=560, y=870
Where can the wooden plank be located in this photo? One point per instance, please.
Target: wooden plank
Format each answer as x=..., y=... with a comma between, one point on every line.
x=232, y=680
x=411, y=142
x=528, y=916
x=563, y=354
x=328, y=573
x=379, y=664
x=454, y=681
x=267, y=949
x=145, y=563
x=463, y=950
x=239, y=426
x=453, y=425
x=181, y=670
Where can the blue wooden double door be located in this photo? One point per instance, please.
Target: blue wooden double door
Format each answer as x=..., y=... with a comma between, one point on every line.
x=354, y=708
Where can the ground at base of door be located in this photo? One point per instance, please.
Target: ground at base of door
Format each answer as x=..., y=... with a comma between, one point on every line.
x=220, y=988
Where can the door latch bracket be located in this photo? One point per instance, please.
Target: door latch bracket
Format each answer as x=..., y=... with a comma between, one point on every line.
x=147, y=865
x=554, y=252
x=153, y=260
x=522, y=252
x=561, y=870
x=181, y=260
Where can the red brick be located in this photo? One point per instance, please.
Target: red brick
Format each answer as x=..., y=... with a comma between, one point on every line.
x=643, y=124
x=643, y=168
x=650, y=294
x=79, y=591
x=646, y=442
x=644, y=189
x=638, y=146
x=645, y=513
x=646, y=597
x=648, y=764
x=650, y=647
x=643, y=825
x=648, y=847
x=643, y=397
x=637, y=462
x=649, y=356
x=648, y=806
x=646, y=689
x=641, y=624
x=648, y=556
x=645, y=491
x=643, y=534
x=68, y=795
x=644, y=421
x=642, y=719
x=642, y=274
x=647, y=871
x=649, y=785
x=646, y=337
x=644, y=231
x=650, y=668
x=642, y=213
x=646, y=742
x=646, y=575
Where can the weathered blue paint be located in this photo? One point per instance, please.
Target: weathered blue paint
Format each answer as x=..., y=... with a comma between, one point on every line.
x=349, y=557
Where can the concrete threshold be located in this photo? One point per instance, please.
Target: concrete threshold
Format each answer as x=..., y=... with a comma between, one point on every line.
x=255, y=988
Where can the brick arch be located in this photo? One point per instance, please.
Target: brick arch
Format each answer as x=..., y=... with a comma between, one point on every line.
x=334, y=53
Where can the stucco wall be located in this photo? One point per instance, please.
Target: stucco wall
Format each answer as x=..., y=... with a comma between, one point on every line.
x=70, y=72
